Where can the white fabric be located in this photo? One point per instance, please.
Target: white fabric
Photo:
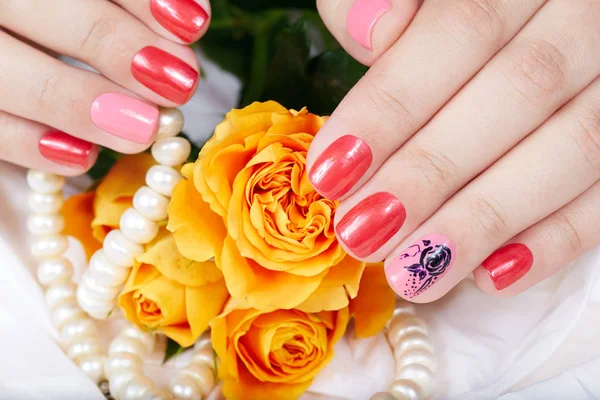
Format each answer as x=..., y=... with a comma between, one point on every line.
x=540, y=345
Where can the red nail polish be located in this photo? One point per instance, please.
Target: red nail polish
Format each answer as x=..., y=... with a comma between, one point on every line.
x=164, y=73
x=341, y=166
x=183, y=18
x=371, y=223
x=66, y=150
x=508, y=264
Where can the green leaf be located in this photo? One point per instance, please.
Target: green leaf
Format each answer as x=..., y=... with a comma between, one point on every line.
x=106, y=160
x=173, y=350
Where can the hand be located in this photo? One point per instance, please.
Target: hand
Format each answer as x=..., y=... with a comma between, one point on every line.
x=471, y=145
x=53, y=115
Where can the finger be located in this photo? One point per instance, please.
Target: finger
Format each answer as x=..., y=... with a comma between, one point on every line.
x=113, y=42
x=367, y=28
x=522, y=85
x=42, y=148
x=38, y=87
x=446, y=44
x=183, y=21
x=545, y=172
x=543, y=249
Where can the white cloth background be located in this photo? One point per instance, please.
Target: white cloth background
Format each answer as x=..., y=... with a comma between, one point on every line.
x=540, y=345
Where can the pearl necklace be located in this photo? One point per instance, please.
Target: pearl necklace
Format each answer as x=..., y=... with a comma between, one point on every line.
x=74, y=308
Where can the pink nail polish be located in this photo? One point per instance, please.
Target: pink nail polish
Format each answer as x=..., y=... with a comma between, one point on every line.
x=362, y=19
x=125, y=117
x=66, y=150
x=421, y=266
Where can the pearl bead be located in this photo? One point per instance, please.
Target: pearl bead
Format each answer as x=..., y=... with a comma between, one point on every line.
x=382, y=396
x=45, y=224
x=54, y=270
x=66, y=312
x=83, y=347
x=203, y=343
x=420, y=375
x=93, y=366
x=137, y=228
x=171, y=151
x=170, y=122
x=155, y=393
x=136, y=387
x=162, y=179
x=150, y=204
x=413, y=340
x=402, y=389
x=403, y=325
x=118, y=382
x=204, y=356
x=146, y=338
x=60, y=292
x=184, y=387
x=97, y=291
x=48, y=246
x=202, y=375
x=120, y=362
x=44, y=182
x=104, y=272
x=94, y=306
x=123, y=344
x=120, y=250
x=45, y=203
x=77, y=329
x=415, y=356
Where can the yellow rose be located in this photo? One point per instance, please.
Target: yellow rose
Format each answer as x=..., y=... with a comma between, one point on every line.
x=248, y=203
x=172, y=294
x=90, y=216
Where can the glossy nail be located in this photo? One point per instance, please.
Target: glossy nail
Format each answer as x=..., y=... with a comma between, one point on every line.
x=508, y=264
x=362, y=18
x=165, y=74
x=125, y=117
x=341, y=166
x=183, y=18
x=66, y=150
x=421, y=266
x=371, y=223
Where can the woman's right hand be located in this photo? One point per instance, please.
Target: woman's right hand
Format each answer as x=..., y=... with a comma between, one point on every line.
x=53, y=116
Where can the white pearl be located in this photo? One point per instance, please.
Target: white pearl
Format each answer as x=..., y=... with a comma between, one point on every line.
x=403, y=325
x=120, y=362
x=98, y=291
x=45, y=224
x=136, y=387
x=420, y=375
x=156, y=394
x=402, y=389
x=93, y=366
x=202, y=375
x=105, y=273
x=146, y=338
x=123, y=344
x=171, y=151
x=73, y=330
x=45, y=203
x=66, y=312
x=415, y=356
x=382, y=396
x=170, y=122
x=413, y=340
x=150, y=204
x=162, y=179
x=94, y=306
x=183, y=387
x=203, y=343
x=48, y=246
x=137, y=228
x=83, y=347
x=120, y=250
x=44, y=182
x=118, y=382
x=60, y=292
x=204, y=356
x=54, y=270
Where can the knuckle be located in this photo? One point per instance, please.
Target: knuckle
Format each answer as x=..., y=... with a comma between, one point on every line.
x=473, y=19
x=439, y=171
x=44, y=93
x=389, y=103
x=98, y=33
x=568, y=237
x=487, y=218
x=586, y=135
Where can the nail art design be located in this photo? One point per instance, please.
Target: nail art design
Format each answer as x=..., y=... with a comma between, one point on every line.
x=362, y=19
x=421, y=265
x=508, y=264
x=183, y=18
x=66, y=150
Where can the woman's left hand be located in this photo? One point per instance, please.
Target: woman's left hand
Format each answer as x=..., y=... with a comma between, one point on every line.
x=471, y=145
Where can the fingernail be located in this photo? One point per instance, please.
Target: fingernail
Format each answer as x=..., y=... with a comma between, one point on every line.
x=421, y=266
x=362, y=18
x=371, y=223
x=341, y=166
x=165, y=74
x=183, y=18
x=125, y=117
x=66, y=150
x=508, y=264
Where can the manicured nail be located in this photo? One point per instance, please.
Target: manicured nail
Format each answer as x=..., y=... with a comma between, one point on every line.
x=66, y=150
x=508, y=264
x=362, y=19
x=125, y=117
x=165, y=74
x=371, y=223
x=341, y=166
x=183, y=18
x=421, y=265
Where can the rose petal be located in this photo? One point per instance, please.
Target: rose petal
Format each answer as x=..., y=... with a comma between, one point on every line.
x=78, y=211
